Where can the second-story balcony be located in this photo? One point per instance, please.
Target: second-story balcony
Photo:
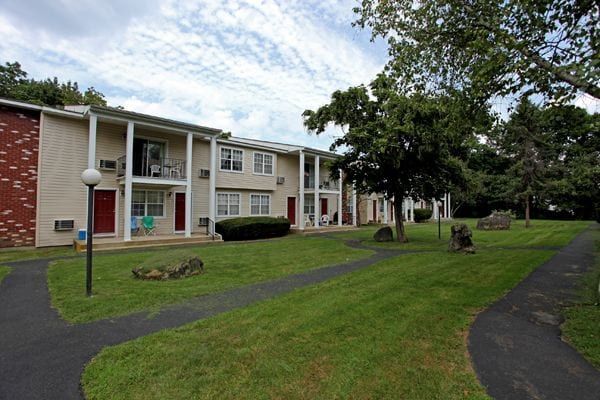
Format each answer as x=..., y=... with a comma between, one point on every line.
x=325, y=183
x=162, y=168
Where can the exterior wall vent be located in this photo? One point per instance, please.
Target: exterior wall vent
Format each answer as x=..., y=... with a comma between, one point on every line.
x=64, y=224
x=108, y=164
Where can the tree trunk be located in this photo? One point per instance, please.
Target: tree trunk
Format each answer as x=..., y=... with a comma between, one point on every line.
x=526, y=211
x=400, y=234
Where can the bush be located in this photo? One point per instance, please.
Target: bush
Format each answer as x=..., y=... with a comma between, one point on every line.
x=249, y=228
x=422, y=214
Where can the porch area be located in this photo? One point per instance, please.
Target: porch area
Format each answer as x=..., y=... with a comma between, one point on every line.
x=141, y=241
x=316, y=230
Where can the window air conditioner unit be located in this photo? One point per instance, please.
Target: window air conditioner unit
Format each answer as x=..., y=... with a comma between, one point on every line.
x=108, y=164
x=203, y=221
x=64, y=224
x=204, y=173
x=280, y=180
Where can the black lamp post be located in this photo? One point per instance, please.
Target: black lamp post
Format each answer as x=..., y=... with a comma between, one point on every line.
x=439, y=204
x=90, y=177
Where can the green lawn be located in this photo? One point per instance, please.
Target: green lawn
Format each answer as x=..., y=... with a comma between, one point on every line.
x=3, y=272
x=582, y=325
x=115, y=292
x=425, y=236
x=26, y=253
x=394, y=330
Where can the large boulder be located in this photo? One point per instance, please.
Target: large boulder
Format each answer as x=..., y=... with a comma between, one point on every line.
x=384, y=234
x=190, y=267
x=494, y=222
x=460, y=239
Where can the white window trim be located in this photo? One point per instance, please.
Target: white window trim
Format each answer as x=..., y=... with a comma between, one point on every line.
x=232, y=170
x=164, y=193
x=260, y=205
x=228, y=215
x=272, y=165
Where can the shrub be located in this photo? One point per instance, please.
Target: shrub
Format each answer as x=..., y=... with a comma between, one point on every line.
x=422, y=214
x=249, y=228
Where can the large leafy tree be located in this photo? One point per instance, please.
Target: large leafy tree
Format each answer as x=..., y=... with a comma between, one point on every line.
x=490, y=47
x=394, y=144
x=14, y=84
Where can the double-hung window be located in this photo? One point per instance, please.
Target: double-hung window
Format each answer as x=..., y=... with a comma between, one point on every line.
x=228, y=204
x=309, y=205
x=148, y=202
x=232, y=159
x=260, y=204
x=263, y=164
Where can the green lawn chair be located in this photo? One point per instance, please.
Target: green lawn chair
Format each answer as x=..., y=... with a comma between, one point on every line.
x=148, y=224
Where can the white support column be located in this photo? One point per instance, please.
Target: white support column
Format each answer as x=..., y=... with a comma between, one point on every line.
x=188, y=184
x=405, y=208
x=412, y=210
x=317, y=194
x=385, y=211
x=449, y=216
x=301, y=192
x=212, y=182
x=340, y=204
x=92, y=141
x=435, y=209
x=354, y=210
x=128, y=181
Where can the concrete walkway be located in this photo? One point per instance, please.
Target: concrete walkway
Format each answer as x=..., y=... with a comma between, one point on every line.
x=515, y=344
x=42, y=356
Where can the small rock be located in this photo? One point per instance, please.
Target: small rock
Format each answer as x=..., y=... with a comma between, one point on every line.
x=384, y=234
x=461, y=239
x=494, y=222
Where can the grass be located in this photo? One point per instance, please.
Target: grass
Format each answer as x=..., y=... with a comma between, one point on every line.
x=395, y=330
x=3, y=272
x=582, y=322
x=424, y=236
x=26, y=253
x=116, y=292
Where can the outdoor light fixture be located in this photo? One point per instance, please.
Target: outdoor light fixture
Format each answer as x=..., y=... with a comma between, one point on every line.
x=90, y=178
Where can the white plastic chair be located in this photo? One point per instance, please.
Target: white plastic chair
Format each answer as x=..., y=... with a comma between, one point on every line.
x=324, y=219
x=155, y=169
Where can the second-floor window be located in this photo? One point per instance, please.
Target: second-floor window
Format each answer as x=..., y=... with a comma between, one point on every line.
x=263, y=164
x=232, y=159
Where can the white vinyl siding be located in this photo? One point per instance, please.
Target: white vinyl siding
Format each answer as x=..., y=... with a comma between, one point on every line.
x=260, y=204
x=148, y=202
x=228, y=204
x=263, y=164
x=232, y=159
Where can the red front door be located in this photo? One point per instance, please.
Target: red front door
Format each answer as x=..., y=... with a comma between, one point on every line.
x=104, y=211
x=180, y=211
x=324, y=208
x=374, y=210
x=291, y=210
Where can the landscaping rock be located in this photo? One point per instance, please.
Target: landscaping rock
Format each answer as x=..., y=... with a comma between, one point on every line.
x=461, y=239
x=384, y=234
x=190, y=267
x=494, y=222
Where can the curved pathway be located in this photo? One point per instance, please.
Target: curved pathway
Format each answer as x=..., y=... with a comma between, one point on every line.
x=42, y=356
x=515, y=344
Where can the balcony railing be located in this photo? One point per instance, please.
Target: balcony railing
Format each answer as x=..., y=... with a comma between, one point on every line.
x=164, y=168
x=324, y=183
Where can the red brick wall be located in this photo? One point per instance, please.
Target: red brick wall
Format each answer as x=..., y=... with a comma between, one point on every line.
x=19, y=143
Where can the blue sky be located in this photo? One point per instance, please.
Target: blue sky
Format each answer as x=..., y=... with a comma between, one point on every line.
x=246, y=66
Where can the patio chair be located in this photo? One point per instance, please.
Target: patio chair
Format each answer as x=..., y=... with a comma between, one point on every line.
x=308, y=221
x=324, y=219
x=135, y=227
x=155, y=169
x=149, y=227
x=175, y=172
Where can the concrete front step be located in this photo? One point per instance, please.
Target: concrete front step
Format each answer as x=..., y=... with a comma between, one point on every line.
x=101, y=244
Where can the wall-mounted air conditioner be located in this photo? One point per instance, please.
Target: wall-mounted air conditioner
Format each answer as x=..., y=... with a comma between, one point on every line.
x=204, y=173
x=108, y=164
x=64, y=224
x=280, y=180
